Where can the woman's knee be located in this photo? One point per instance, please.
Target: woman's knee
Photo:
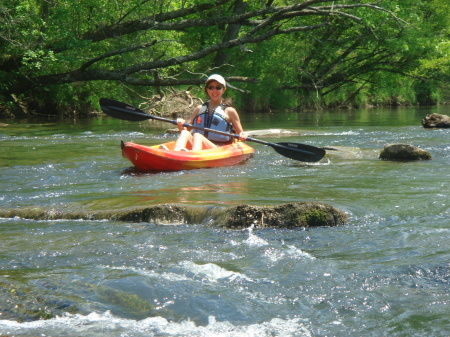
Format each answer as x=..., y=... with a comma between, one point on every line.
x=198, y=137
x=185, y=133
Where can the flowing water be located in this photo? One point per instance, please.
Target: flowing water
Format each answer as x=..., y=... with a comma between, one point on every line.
x=385, y=273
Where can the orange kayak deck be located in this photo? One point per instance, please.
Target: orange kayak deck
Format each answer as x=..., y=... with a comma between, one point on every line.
x=152, y=158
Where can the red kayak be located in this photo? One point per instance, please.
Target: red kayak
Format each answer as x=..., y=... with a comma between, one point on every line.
x=152, y=158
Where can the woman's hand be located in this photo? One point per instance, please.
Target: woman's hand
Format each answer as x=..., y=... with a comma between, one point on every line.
x=243, y=136
x=180, y=123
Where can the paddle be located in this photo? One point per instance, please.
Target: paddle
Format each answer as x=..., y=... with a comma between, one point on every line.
x=296, y=151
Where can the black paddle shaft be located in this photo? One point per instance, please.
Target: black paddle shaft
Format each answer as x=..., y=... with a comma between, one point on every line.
x=296, y=151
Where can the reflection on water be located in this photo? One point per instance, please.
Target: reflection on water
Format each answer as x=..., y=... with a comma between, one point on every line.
x=396, y=116
x=221, y=194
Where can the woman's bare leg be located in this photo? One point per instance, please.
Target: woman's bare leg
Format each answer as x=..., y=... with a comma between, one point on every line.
x=200, y=142
x=183, y=139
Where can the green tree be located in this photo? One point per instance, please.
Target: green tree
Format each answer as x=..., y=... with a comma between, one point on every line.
x=379, y=58
x=65, y=54
x=434, y=67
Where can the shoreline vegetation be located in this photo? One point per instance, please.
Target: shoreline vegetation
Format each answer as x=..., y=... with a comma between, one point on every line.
x=174, y=104
x=58, y=59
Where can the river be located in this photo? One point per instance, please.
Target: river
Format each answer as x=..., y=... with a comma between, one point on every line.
x=385, y=273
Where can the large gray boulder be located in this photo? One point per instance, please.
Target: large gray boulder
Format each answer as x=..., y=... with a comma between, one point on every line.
x=404, y=152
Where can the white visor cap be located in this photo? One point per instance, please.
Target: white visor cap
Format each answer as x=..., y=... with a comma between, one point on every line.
x=217, y=78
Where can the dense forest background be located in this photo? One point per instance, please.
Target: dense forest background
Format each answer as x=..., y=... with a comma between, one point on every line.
x=58, y=57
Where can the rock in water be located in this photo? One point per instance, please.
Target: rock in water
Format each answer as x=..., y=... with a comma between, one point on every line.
x=436, y=121
x=404, y=152
x=291, y=215
x=298, y=214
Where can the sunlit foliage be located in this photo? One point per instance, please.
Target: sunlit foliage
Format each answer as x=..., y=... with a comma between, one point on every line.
x=61, y=56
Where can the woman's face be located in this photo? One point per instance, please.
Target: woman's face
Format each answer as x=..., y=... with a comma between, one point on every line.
x=215, y=90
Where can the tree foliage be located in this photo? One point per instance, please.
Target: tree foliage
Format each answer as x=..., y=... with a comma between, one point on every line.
x=61, y=55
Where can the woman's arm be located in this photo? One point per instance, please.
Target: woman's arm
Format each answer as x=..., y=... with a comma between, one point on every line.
x=234, y=119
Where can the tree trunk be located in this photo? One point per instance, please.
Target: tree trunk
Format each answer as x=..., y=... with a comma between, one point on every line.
x=231, y=33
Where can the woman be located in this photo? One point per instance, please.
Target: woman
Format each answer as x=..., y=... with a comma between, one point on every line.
x=217, y=114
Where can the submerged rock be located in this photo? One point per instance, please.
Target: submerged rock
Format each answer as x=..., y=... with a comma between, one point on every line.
x=404, y=152
x=300, y=214
x=351, y=153
x=25, y=303
x=272, y=133
x=436, y=121
x=256, y=133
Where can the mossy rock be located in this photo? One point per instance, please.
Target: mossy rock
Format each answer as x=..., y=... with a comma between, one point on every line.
x=404, y=152
x=301, y=214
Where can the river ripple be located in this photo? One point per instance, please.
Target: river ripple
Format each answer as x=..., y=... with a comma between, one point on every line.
x=385, y=273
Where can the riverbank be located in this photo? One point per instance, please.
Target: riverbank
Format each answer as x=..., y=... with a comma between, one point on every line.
x=171, y=103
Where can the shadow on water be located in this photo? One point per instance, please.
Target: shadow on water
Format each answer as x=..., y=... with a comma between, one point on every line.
x=134, y=171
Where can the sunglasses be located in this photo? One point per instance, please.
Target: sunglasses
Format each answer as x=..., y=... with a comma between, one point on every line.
x=213, y=87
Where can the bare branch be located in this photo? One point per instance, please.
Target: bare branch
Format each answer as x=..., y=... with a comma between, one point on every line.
x=116, y=52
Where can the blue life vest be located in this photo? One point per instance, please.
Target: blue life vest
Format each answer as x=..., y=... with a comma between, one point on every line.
x=216, y=121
